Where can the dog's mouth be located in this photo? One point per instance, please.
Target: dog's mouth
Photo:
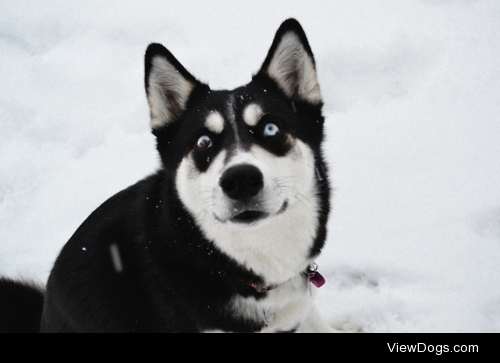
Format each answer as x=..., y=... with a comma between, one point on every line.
x=252, y=216
x=249, y=216
x=243, y=216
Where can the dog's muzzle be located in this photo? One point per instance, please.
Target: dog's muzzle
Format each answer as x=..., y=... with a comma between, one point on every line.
x=242, y=183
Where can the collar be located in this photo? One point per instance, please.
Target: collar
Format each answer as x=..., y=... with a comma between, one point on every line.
x=261, y=288
x=310, y=273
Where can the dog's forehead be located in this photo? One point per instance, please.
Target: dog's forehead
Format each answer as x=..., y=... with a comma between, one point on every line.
x=231, y=110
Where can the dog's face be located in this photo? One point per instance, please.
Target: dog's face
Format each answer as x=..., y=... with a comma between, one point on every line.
x=246, y=165
x=249, y=159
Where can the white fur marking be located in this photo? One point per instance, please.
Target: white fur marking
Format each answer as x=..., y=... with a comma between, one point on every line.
x=252, y=114
x=290, y=305
x=215, y=122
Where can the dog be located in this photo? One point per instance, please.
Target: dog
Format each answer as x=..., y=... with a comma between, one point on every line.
x=223, y=237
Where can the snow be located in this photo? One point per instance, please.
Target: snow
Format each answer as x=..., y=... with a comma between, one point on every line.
x=411, y=89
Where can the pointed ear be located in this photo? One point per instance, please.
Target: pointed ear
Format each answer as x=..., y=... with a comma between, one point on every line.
x=168, y=85
x=290, y=63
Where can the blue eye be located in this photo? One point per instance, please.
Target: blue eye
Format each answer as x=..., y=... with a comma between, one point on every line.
x=271, y=130
x=204, y=142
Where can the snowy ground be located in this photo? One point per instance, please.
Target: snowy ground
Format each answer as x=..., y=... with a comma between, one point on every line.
x=412, y=91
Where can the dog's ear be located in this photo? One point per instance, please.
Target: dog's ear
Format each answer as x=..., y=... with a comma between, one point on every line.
x=168, y=86
x=290, y=63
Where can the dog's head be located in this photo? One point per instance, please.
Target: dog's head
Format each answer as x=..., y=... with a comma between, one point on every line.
x=247, y=157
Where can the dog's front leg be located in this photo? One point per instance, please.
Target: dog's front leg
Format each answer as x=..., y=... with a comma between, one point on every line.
x=315, y=323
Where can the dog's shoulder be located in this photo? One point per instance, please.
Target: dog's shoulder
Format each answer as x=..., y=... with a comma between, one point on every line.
x=122, y=211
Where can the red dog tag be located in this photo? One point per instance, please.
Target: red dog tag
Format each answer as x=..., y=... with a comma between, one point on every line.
x=317, y=279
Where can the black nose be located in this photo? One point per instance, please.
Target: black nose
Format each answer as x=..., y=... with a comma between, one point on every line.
x=242, y=181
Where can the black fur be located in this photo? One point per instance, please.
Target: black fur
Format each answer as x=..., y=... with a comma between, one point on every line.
x=21, y=306
x=173, y=280
x=139, y=263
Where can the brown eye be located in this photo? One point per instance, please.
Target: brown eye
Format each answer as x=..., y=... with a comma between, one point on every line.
x=204, y=142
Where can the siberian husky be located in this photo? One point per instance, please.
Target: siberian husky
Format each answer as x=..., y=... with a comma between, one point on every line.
x=224, y=237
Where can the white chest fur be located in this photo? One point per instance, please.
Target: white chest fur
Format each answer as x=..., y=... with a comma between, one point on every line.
x=284, y=309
